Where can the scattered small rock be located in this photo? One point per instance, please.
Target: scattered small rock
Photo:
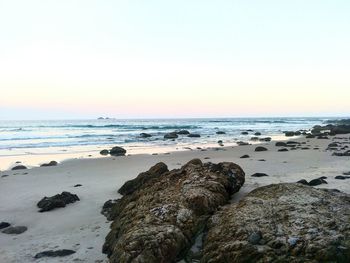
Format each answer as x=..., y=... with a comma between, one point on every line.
x=283, y=150
x=15, y=230
x=57, y=201
x=117, y=151
x=183, y=132
x=257, y=133
x=19, y=167
x=55, y=253
x=194, y=135
x=77, y=185
x=104, y=152
x=342, y=177
x=260, y=149
x=220, y=132
x=52, y=163
x=244, y=156
x=259, y=175
x=281, y=144
x=303, y=181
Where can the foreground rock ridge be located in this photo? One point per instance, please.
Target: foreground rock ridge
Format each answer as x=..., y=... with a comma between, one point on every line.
x=281, y=223
x=162, y=211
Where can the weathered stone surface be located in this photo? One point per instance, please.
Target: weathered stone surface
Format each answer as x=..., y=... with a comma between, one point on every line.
x=117, y=151
x=57, y=201
x=54, y=253
x=15, y=230
x=281, y=223
x=158, y=221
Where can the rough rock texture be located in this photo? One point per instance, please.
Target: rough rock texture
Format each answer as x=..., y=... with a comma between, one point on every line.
x=159, y=220
x=56, y=201
x=282, y=223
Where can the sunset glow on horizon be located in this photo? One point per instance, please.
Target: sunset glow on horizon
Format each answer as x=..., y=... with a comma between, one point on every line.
x=152, y=59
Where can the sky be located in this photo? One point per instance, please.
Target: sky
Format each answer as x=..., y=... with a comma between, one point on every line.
x=71, y=59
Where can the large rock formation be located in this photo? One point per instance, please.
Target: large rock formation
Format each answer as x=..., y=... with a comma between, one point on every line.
x=162, y=211
x=282, y=223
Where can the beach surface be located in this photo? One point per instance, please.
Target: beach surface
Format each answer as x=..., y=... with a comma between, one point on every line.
x=81, y=227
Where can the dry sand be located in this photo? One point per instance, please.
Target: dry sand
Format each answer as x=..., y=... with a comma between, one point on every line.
x=81, y=227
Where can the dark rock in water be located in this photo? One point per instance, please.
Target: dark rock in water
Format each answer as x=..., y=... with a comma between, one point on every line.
x=303, y=181
x=4, y=225
x=145, y=135
x=281, y=144
x=346, y=173
x=342, y=177
x=317, y=181
x=19, y=167
x=104, y=152
x=56, y=201
x=283, y=150
x=259, y=175
x=254, y=138
x=52, y=163
x=14, y=230
x=194, y=135
x=289, y=133
x=183, y=132
x=171, y=135
x=159, y=221
x=310, y=136
x=244, y=156
x=281, y=223
x=244, y=133
x=219, y=141
x=54, y=253
x=260, y=149
x=117, y=151
x=220, y=132
x=297, y=133
x=132, y=185
x=257, y=133
x=77, y=185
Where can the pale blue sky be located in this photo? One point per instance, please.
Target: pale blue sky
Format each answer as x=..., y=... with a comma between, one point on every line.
x=72, y=58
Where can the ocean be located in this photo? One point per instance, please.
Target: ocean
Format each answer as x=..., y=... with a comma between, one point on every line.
x=23, y=139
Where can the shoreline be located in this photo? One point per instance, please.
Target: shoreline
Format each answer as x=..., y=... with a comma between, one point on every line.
x=81, y=223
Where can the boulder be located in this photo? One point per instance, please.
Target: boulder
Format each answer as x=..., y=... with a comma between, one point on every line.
x=244, y=133
x=221, y=132
x=56, y=201
x=171, y=135
x=281, y=223
x=266, y=139
x=240, y=143
x=317, y=181
x=281, y=144
x=257, y=133
x=260, y=149
x=194, y=135
x=117, y=151
x=303, y=181
x=54, y=253
x=244, y=156
x=14, y=230
x=104, y=152
x=52, y=163
x=4, y=225
x=159, y=220
x=342, y=177
x=19, y=167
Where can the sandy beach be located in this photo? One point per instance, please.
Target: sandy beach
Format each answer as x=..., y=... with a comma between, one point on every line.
x=82, y=228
